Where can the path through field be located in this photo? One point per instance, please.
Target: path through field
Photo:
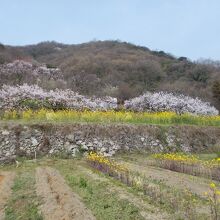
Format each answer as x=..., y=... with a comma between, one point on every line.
x=59, y=202
x=6, y=181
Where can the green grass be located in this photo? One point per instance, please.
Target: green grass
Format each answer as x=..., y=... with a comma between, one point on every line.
x=168, y=199
x=103, y=204
x=23, y=203
x=207, y=156
x=90, y=191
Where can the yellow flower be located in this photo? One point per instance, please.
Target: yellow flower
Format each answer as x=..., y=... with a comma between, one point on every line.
x=212, y=185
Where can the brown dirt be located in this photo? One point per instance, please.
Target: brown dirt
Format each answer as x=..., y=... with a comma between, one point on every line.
x=59, y=202
x=6, y=181
x=177, y=180
x=1, y=178
x=147, y=211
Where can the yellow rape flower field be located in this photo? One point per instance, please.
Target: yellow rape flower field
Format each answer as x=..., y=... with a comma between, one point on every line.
x=188, y=163
x=166, y=118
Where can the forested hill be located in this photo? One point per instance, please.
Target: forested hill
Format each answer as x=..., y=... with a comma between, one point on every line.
x=111, y=68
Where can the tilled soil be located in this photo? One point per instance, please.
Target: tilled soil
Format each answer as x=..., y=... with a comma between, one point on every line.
x=59, y=202
x=6, y=182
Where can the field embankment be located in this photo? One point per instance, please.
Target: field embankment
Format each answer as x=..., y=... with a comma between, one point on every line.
x=37, y=140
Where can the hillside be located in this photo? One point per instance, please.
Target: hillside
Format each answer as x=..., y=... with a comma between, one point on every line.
x=115, y=68
x=150, y=156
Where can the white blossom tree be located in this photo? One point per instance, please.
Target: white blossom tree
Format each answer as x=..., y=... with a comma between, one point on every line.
x=162, y=101
x=11, y=97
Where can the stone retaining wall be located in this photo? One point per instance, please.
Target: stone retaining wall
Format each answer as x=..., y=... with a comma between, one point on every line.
x=49, y=139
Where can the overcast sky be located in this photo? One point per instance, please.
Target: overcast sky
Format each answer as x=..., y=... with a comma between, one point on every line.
x=181, y=27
